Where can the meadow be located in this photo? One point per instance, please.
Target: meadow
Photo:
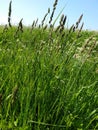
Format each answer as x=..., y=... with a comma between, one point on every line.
x=48, y=75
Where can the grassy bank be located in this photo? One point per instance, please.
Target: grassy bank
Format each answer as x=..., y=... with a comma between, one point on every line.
x=48, y=77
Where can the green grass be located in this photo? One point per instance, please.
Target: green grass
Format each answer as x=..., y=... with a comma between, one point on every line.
x=44, y=85
x=48, y=81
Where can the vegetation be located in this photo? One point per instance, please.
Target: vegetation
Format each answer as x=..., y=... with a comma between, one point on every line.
x=48, y=76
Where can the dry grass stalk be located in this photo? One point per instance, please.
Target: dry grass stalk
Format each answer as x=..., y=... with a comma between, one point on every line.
x=80, y=30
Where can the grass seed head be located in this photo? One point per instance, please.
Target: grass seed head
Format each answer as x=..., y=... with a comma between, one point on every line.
x=79, y=20
x=20, y=25
x=36, y=22
x=45, y=27
x=61, y=19
x=10, y=9
x=58, y=27
x=54, y=8
x=86, y=44
x=55, y=3
x=45, y=17
x=71, y=28
x=48, y=10
x=33, y=24
x=9, y=14
x=64, y=20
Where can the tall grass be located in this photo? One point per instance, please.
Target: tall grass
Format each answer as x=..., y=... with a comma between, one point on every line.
x=48, y=77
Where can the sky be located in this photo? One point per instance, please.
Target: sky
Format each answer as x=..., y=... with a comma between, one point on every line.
x=30, y=10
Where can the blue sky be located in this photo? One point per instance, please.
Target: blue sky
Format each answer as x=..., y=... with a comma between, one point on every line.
x=30, y=10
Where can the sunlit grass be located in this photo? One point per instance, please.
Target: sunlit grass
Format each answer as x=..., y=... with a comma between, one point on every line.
x=48, y=78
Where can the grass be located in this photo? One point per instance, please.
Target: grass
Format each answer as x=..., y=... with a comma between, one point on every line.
x=48, y=78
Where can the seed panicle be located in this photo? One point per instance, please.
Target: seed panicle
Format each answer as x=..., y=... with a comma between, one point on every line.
x=78, y=22
x=9, y=14
x=54, y=8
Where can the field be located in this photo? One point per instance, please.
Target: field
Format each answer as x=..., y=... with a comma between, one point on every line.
x=48, y=76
